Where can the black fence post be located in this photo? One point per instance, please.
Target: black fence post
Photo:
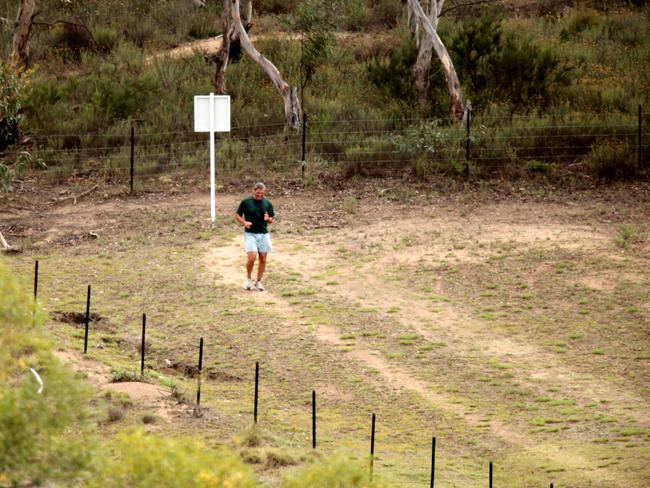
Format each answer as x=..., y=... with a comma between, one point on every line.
x=257, y=382
x=490, y=474
x=372, y=446
x=304, y=143
x=469, y=116
x=35, y=280
x=132, y=154
x=638, y=142
x=198, y=388
x=433, y=459
x=313, y=419
x=87, y=321
x=144, y=325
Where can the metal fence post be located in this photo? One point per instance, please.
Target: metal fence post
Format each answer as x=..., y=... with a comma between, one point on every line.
x=469, y=116
x=638, y=142
x=132, y=154
x=304, y=143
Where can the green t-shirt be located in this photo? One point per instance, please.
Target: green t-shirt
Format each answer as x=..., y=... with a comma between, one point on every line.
x=253, y=211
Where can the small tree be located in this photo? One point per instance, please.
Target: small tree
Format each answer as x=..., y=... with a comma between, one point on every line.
x=234, y=29
x=12, y=87
x=19, y=52
x=431, y=41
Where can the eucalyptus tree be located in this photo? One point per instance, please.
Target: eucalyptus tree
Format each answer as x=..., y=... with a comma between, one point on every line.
x=234, y=30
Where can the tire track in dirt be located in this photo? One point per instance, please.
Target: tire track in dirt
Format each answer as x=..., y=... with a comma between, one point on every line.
x=455, y=324
x=227, y=261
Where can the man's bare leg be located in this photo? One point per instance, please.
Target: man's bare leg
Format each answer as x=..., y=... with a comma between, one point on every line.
x=261, y=266
x=250, y=262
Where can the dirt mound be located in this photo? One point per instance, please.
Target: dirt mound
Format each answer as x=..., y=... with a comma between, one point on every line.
x=78, y=319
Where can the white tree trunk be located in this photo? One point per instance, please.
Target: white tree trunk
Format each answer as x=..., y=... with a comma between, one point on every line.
x=223, y=55
x=422, y=68
x=19, y=53
x=292, y=110
x=453, y=85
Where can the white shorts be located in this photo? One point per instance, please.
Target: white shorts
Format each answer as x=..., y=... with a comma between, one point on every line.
x=257, y=242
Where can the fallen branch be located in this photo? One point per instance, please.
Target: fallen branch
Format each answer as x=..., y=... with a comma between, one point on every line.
x=74, y=198
x=6, y=247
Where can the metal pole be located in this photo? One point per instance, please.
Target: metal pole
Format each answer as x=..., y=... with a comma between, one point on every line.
x=490, y=474
x=304, y=141
x=372, y=446
x=213, y=211
x=87, y=321
x=313, y=419
x=144, y=325
x=433, y=459
x=469, y=116
x=132, y=154
x=257, y=382
x=638, y=144
x=35, y=280
x=198, y=389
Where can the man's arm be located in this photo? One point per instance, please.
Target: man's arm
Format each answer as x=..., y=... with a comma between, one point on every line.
x=269, y=214
x=243, y=221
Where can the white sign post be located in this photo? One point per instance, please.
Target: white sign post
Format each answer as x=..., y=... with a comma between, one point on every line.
x=212, y=114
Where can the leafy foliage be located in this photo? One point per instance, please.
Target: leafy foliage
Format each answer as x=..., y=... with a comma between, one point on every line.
x=41, y=434
x=499, y=67
x=394, y=74
x=12, y=92
x=335, y=472
x=143, y=461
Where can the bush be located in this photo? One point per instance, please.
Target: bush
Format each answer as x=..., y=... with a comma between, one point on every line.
x=335, y=472
x=12, y=93
x=105, y=39
x=384, y=13
x=394, y=73
x=140, y=460
x=274, y=6
x=582, y=20
x=611, y=161
x=499, y=67
x=41, y=434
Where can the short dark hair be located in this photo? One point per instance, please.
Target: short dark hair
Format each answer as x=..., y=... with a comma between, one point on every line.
x=259, y=186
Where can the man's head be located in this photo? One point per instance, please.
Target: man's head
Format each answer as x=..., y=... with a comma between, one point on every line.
x=258, y=190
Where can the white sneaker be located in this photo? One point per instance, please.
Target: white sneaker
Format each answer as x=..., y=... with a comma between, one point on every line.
x=259, y=286
x=248, y=284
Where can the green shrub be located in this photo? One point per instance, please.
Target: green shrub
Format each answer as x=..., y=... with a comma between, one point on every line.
x=383, y=13
x=334, y=472
x=12, y=94
x=628, y=30
x=42, y=435
x=506, y=68
x=202, y=26
x=394, y=74
x=274, y=6
x=354, y=15
x=142, y=461
x=611, y=161
x=140, y=30
x=105, y=39
x=582, y=20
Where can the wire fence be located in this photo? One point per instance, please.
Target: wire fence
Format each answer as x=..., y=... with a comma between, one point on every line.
x=482, y=146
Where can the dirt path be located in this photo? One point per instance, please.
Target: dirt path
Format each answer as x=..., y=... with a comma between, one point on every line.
x=227, y=260
x=454, y=323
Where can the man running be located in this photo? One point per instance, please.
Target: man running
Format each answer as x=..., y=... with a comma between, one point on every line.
x=255, y=213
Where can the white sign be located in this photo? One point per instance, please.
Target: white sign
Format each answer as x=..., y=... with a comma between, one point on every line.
x=212, y=114
x=220, y=117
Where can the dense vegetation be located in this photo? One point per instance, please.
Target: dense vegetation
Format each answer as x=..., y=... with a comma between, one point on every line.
x=546, y=65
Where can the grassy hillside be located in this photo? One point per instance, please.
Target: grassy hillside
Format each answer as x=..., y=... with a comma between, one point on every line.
x=532, y=67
